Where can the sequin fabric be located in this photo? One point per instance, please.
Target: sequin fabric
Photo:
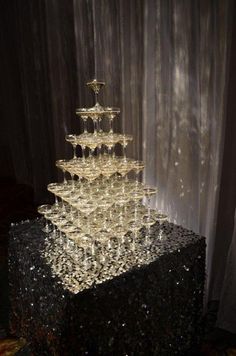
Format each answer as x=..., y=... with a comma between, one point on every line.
x=141, y=297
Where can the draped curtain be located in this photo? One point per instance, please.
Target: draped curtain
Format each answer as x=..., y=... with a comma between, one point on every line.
x=164, y=62
x=183, y=116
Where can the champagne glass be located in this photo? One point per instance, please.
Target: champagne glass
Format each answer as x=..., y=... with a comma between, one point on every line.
x=107, y=171
x=59, y=222
x=64, y=165
x=66, y=193
x=120, y=232
x=91, y=173
x=111, y=113
x=159, y=216
x=72, y=140
x=124, y=140
x=89, y=142
x=86, y=207
x=124, y=167
x=96, y=86
x=138, y=166
x=83, y=147
x=44, y=209
x=93, y=144
x=67, y=227
x=148, y=192
x=83, y=113
x=53, y=215
x=56, y=189
x=96, y=114
x=109, y=143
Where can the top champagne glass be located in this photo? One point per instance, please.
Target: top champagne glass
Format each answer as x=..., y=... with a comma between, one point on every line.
x=96, y=86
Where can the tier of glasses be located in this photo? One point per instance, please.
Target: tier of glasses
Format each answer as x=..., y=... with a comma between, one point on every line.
x=102, y=194
x=92, y=167
x=92, y=140
x=97, y=114
x=87, y=223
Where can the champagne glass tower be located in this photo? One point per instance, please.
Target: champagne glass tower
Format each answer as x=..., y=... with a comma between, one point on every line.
x=99, y=202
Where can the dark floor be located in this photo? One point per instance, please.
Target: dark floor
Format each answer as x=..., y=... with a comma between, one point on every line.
x=217, y=342
x=16, y=204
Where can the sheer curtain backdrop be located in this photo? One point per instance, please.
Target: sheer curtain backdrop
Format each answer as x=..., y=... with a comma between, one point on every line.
x=185, y=60
x=165, y=64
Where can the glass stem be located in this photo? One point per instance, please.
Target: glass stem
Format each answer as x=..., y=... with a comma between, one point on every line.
x=88, y=223
x=63, y=206
x=121, y=216
x=83, y=152
x=46, y=225
x=85, y=125
x=71, y=213
x=74, y=152
x=136, y=181
x=109, y=153
x=90, y=190
x=112, y=152
x=54, y=230
x=110, y=214
x=149, y=207
x=64, y=177
x=78, y=215
x=95, y=127
x=92, y=248
x=118, y=251
x=92, y=156
x=111, y=127
x=135, y=211
x=124, y=152
x=85, y=258
x=99, y=125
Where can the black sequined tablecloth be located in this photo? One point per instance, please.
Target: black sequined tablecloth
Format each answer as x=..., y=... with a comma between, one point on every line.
x=143, y=297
